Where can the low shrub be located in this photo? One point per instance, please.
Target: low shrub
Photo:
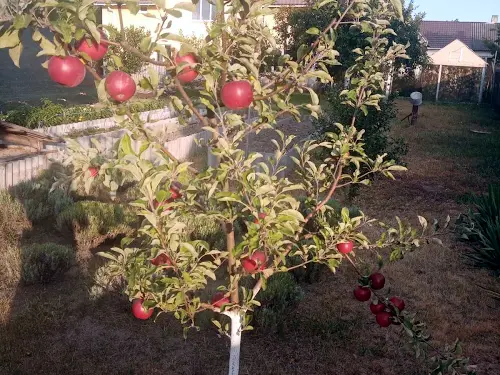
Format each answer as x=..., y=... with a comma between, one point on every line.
x=91, y=223
x=481, y=228
x=206, y=229
x=280, y=295
x=38, y=201
x=42, y=263
x=13, y=220
x=131, y=63
x=10, y=264
x=52, y=114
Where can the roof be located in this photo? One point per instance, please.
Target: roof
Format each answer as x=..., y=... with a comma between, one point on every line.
x=290, y=2
x=441, y=33
x=457, y=54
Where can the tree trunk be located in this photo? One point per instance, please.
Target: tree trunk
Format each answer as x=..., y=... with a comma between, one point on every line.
x=234, y=357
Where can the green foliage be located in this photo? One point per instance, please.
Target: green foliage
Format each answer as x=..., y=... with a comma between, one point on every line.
x=481, y=228
x=494, y=45
x=131, y=63
x=91, y=223
x=37, y=198
x=377, y=125
x=52, y=114
x=293, y=23
x=13, y=220
x=282, y=293
x=42, y=263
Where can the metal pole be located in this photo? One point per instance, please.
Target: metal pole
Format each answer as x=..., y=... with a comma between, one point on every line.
x=439, y=82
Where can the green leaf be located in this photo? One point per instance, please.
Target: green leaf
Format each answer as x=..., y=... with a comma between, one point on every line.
x=174, y=13
x=15, y=54
x=186, y=6
x=398, y=9
x=93, y=30
x=133, y=6
x=9, y=39
x=313, y=31
x=22, y=21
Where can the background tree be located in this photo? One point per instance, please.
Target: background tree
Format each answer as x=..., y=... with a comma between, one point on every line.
x=166, y=269
x=494, y=45
x=130, y=62
x=293, y=23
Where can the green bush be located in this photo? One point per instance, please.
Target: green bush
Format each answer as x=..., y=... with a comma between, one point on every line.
x=134, y=36
x=91, y=223
x=481, y=228
x=52, y=114
x=206, y=229
x=42, y=263
x=376, y=124
x=280, y=295
x=38, y=201
x=13, y=220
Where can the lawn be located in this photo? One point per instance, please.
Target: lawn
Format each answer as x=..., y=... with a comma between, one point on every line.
x=57, y=329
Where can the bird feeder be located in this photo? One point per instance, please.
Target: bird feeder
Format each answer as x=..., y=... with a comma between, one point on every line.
x=416, y=101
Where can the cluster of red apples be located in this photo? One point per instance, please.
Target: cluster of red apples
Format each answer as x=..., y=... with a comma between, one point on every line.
x=70, y=71
x=385, y=311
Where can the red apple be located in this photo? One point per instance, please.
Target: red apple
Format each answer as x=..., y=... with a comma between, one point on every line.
x=139, y=311
x=187, y=74
x=219, y=299
x=262, y=216
x=237, y=94
x=345, y=247
x=398, y=303
x=68, y=71
x=176, y=194
x=120, y=86
x=377, y=280
x=383, y=319
x=254, y=262
x=362, y=293
x=376, y=308
x=93, y=171
x=94, y=50
x=161, y=259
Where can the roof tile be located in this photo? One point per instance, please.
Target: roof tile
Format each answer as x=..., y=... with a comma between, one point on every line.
x=441, y=33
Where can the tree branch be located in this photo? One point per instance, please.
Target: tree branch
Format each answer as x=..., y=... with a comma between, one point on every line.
x=190, y=103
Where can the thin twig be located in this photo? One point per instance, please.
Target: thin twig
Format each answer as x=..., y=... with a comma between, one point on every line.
x=190, y=103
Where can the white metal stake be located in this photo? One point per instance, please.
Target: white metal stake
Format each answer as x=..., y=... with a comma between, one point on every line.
x=234, y=356
x=439, y=82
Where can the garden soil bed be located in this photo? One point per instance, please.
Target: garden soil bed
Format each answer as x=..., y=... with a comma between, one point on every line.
x=55, y=329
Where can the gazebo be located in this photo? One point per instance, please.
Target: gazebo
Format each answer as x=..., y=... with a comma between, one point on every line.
x=458, y=55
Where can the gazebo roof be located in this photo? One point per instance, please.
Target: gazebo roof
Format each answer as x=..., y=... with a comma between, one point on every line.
x=457, y=54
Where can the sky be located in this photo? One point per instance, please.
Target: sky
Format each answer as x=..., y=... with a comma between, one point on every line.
x=463, y=10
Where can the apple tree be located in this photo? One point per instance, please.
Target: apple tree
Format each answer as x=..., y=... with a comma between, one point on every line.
x=216, y=83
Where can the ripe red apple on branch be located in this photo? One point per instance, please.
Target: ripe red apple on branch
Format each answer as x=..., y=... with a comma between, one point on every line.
x=362, y=293
x=96, y=51
x=376, y=308
x=377, y=281
x=345, y=247
x=254, y=262
x=237, y=95
x=261, y=216
x=139, y=311
x=93, y=171
x=398, y=303
x=218, y=299
x=120, y=86
x=68, y=71
x=162, y=259
x=187, y=74
x=384, y=319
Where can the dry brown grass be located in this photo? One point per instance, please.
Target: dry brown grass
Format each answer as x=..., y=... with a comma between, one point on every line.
x=56, y=330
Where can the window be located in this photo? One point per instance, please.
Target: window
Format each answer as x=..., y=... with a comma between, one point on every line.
x=144, y=9
x=204, y=11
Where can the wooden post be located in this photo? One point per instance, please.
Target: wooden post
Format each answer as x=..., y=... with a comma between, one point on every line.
x=481, y=87
x=439, y=82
